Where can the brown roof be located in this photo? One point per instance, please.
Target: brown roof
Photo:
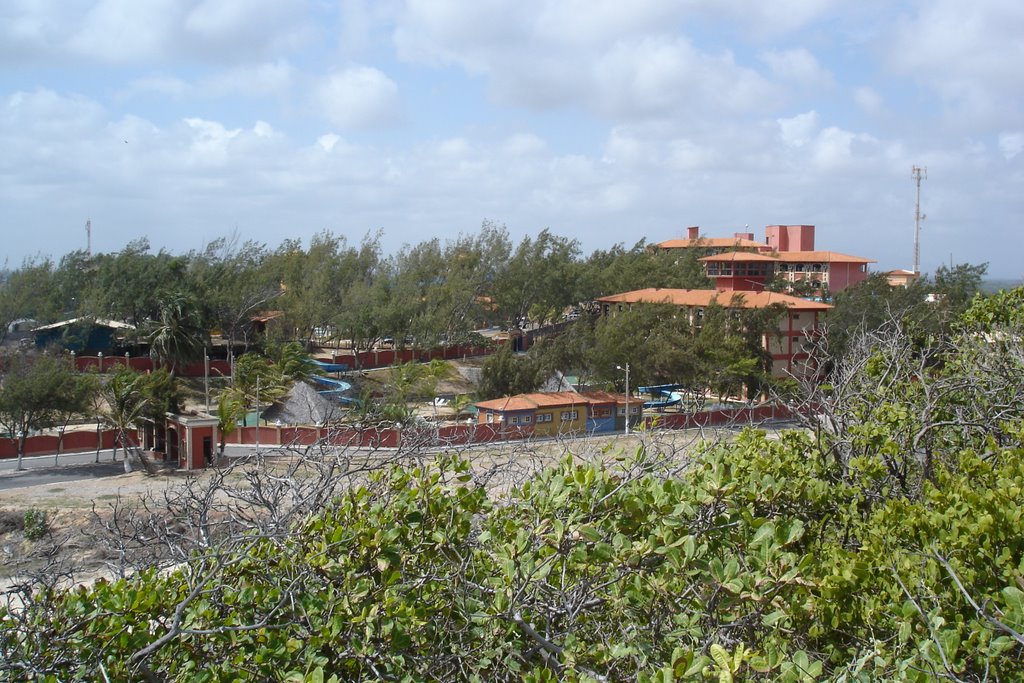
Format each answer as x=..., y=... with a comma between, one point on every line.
x=604, y=397
x=705, y=297
x=508, y=403
x=549, y=400
x=711, y=243
x=739, y=256
x=820, y=257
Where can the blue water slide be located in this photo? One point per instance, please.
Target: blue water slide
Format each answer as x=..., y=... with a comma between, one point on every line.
x=673, y=398
x=660, y=389
x=331, y=367
x=337, y=390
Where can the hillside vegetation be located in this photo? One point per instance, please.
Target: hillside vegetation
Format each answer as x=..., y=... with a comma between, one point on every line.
x=883, y=542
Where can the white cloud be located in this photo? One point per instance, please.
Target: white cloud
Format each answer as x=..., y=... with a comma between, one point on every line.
x=168, y=86
x=44, y=111
x=798, y=65
x=835, y=147
x=328, y=141
x=523, y=144
x=272, y=78
x=232, y=30
x=126, y=30
x=1011, y=144
x=620, y=61
x=798, y=130
x=772, y=18
x=210, y=140
x=263, y=129
x=359, y=97
x=869, y=101
x=969, y=54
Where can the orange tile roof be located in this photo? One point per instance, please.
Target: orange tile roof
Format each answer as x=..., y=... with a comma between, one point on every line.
x=820, y=257
x=605, y=397
x=704, y=297
x=507, y=403
x=552, y=399
x=533, y=401
x=711, y=243
x=739, y=256
x=555, y=398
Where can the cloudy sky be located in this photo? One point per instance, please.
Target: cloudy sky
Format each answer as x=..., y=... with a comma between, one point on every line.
x=605, y=120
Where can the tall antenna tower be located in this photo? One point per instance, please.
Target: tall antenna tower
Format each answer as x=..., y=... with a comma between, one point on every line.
x=916, y=172
x=88, y=237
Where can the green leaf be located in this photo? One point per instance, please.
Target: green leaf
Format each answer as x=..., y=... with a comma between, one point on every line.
x=721, y=656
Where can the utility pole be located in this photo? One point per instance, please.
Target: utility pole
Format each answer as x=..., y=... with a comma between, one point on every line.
x=257, y=414
x=916, y=172
x=88, y=237
x=206, y=379
x=619, y=367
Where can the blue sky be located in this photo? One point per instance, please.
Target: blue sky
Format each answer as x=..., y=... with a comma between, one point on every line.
x=608, y=121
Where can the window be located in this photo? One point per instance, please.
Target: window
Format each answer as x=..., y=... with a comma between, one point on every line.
x=569, y=415
x=526, y=419
x=544, y=417
x=622, y=410
x=515, y=420
x=633, y=410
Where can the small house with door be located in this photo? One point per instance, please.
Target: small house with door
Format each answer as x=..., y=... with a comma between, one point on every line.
x=562, y=412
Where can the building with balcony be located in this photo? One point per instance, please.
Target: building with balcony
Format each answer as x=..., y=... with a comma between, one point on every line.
x=741, y=264
x=801, y=319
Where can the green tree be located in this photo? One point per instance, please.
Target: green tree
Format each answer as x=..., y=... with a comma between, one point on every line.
x=505, y=374
x=257, y=380
x=178, y=336
x=34, y=392
x=78, y=401
x=542, y=276
x=126, y=407
x=27, y=293
x=293, y=362
x=133, y=284
x=230, y=409
x=234, y=283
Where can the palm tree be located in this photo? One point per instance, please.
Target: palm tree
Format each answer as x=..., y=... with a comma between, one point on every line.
x=460, y=403
x=230, y=407
x=178, y=336
x=126, y=406
x=294, y=363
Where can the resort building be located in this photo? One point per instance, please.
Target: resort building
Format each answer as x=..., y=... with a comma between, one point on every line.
x=787, y=253
x=563, y=412
x=786, y=345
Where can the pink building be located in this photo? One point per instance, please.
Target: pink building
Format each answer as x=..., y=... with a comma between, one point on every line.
x=739, y=263
x=785, y=344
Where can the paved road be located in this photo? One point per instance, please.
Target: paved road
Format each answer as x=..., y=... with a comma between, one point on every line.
x=46, y=461
x=53, y=475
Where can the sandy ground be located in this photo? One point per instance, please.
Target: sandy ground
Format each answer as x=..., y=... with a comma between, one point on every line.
x=76, y=509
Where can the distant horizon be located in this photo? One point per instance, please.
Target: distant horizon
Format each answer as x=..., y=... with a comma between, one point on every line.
x=993, y=280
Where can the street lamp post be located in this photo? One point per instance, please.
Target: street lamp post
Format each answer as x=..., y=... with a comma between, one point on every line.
x=257, y=414
x=619, y=367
